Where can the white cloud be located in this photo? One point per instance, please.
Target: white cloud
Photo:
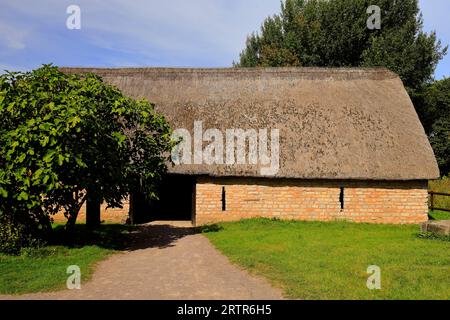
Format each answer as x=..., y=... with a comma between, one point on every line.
x=178, y=29
x=12, y=38
x=435, y=19
x=147, y=32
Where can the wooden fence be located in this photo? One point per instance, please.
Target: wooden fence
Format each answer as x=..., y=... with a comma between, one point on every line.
x=432, y=198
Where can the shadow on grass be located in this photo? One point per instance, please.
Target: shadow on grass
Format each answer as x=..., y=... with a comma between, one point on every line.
x=433, y=236
x=209, y=228
x=110, y=236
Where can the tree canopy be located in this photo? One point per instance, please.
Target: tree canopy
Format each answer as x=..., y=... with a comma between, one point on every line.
x=335, y=34
x=63, y=135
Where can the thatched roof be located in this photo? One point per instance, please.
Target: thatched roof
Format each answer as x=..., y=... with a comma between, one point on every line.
x=334, y=123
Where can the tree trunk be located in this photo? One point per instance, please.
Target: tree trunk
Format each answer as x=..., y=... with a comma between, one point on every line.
x=71, y=221
x=70, y=227
x=93, y=205
x=131, y=210
x=45, y=222
x=138, y=208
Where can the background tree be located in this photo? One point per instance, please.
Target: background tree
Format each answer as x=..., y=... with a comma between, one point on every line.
x=63, y=136
x=435, y=101
x=334, y=33
x=440, y=140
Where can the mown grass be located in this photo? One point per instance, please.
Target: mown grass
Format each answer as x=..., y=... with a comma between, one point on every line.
x=439, y=215
x=314, y=260
x=44, y=269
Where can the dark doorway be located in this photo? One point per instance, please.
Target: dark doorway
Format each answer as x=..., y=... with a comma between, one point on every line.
x=176, y=199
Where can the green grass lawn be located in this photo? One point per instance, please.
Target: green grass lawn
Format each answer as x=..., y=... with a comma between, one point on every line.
x=439, y=215
x=44, y=269
x=313, y=260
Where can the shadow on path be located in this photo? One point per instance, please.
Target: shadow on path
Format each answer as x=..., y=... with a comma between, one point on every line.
x=118, y=237
x=157, y=236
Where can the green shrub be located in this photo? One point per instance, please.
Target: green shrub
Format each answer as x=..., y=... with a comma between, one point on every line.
x=17, y=234
x=14, y=237
x=9, y=238
x=61, y=135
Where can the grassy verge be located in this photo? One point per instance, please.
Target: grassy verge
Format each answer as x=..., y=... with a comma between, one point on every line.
x=313, y=260
x=44, y=269
x=439, y=215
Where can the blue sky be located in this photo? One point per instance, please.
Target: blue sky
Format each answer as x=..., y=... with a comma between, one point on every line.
x=175, y=33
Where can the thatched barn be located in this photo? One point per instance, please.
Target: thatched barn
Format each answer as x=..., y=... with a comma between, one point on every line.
x=351, y=145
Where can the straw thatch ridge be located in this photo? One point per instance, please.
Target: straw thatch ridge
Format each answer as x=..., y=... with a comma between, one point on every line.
x=334, y=123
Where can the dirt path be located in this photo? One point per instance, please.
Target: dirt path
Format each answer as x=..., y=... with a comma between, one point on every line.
x=167, y=262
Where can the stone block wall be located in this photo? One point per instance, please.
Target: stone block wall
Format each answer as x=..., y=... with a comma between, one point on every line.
x=110, y=215
x=231, y=199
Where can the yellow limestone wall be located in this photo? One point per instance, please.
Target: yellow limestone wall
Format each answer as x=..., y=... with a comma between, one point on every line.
x=402, y=202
